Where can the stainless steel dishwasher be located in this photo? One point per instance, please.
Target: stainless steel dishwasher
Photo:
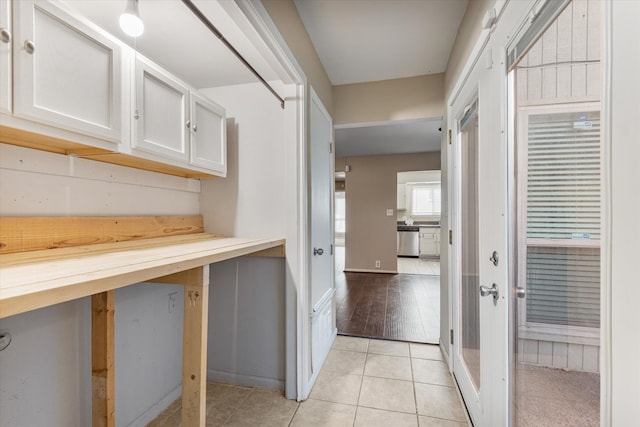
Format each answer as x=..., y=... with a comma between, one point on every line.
x=408, y=241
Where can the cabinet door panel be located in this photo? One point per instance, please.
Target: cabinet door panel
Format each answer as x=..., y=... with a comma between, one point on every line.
x=5, y=58
x=208, y=135
x=161, y=108
x=72, y=78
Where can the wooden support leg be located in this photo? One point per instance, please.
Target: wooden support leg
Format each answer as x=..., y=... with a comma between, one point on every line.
x=102, y=356
x=194, y=348
x=194, y=342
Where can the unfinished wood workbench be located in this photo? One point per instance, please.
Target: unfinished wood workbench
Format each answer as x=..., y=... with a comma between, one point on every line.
x=43, y=277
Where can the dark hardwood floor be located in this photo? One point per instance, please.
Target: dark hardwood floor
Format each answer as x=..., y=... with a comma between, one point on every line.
x=404, y=307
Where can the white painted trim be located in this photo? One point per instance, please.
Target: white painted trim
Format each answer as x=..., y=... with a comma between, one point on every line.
x=244, y=380
x=606, y=369
x=387, y=122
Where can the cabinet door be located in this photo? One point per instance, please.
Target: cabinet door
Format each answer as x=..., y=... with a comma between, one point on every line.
x=67, y=73
x=208, y=135
x=160, y=112
x=5, y=56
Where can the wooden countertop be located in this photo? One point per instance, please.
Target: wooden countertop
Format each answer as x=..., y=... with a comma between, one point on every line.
x=36, y=279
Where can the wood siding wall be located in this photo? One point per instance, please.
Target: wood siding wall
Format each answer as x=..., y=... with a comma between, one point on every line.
x=563, y=66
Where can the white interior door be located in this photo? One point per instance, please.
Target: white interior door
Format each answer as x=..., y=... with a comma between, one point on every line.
x=480, y=230
x=321, y=242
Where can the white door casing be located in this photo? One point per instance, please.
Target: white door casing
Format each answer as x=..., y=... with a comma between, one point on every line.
x=485, y=79
x=321, y=242
x=6, y=66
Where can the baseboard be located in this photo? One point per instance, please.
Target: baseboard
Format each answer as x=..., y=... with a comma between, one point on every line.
x=244, y=380
x=365, y=270
x=151, y=413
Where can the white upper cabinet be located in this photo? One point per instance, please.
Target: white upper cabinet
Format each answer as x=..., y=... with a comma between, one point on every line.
x=208, y=135
x=401, y=195
x=67, y=72
x=160, y=112
x=5, y=56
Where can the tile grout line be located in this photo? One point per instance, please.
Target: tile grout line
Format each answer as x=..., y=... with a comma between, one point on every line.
x=413, y=381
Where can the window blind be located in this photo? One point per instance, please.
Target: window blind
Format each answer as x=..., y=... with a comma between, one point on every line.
x=563, y=177
x=563, y=286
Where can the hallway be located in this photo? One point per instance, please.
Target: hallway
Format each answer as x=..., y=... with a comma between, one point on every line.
x=363, y=383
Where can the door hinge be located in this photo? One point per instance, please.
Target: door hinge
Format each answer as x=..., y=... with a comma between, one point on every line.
x=449, y=136
x=451, y=237
x=331, y=147
x=451, y=336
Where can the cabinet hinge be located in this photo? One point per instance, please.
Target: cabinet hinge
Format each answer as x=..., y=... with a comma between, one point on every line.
x=451, y=336
x=449, y=136
x=451, y=237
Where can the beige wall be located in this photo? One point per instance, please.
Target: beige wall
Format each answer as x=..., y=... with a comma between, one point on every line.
x=285, y=16
x=370, y=191
x=396, y=99
x=468, y=33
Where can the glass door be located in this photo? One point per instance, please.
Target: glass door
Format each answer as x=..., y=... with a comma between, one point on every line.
x=555, y=326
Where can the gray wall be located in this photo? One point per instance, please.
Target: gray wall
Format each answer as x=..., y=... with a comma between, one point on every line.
x=45, y=374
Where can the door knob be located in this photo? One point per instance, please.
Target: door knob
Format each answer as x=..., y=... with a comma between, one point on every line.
x=5, y=35
x=493, y=290
x=318, y=251
x=520, y=292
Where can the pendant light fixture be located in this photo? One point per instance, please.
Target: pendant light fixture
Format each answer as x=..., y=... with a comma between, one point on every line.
x=130, y=21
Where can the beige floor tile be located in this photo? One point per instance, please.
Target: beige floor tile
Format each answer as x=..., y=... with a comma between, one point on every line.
x=437, y=422
x=389, y=348
x=432, y=372
x=351, y=344
x=318, y=413
x=346, y=362
x=425, y=351
x=394, y=367
x=337, y=387
x=439, y=402
x=383, y=393
x=222, y=401
x=264, y=408
x=368, y=417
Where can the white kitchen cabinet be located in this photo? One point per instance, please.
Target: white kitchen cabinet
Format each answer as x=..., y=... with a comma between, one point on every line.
x=429, y=242
x=401, y=195
x=160, y=112
x=6, y=32
x=67, y=73
x=208, y=135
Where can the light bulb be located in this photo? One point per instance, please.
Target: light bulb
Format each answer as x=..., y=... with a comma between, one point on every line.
x=130, y=21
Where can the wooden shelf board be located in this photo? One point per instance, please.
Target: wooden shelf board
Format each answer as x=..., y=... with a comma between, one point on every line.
x=37, y=279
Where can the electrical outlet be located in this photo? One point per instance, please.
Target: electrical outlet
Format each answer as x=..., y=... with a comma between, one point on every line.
x=172, y=302
x=377, y=263
x=389, y=212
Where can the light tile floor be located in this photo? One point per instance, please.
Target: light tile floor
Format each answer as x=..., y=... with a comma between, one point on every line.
x=364, y=382
x=430, y=266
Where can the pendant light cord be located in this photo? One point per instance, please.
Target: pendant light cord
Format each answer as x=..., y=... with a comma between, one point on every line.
x=233, y=50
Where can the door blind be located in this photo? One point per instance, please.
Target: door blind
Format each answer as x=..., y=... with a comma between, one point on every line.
x=563, y=286
x=563, y=177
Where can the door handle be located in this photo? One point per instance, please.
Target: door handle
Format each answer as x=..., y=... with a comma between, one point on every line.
x=493, y=290
x=521, y=292
x=318, y=251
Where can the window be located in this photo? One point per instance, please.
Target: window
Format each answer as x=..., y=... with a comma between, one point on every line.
x=559, y=173
x=425, y=199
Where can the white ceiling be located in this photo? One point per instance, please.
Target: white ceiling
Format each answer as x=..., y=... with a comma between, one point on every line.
x=370, y=40
x=408, y=136
x=179, y=42
x=357, y=40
